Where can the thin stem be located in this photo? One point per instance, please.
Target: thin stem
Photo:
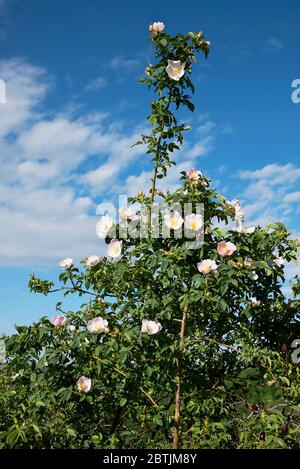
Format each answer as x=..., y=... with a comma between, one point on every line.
x=179, y=380
x=221, y=344
x=157, y=161
x=155, y=173
x=75, y=289
x=150, y=398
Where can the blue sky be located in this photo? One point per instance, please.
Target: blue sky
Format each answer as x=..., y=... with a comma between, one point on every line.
x=74, y=108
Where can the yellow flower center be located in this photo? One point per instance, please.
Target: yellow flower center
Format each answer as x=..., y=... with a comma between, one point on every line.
x=176, y=70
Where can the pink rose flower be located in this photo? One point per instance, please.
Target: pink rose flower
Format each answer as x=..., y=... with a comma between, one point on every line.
x=194, y=175
x=206, y=266
x=58, y=321
x=157, y=27
x=92, y=261
x=225, y=248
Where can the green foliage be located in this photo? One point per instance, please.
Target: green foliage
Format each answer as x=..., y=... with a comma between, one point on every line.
x=230, y=354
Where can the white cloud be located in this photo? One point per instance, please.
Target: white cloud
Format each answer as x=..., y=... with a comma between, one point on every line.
x=26, y=86
x=274, y=173
x=53, y=164
x=272, y=46
x=124, y=66
x=292, y=197
x=142, y=181
x=96, y=84
x=45, y=210
x=269, y=195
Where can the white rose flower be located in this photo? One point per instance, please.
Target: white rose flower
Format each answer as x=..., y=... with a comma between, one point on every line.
x=173, y=220
x=150, y=327
x=97, y=325
x=66, y=263
x=114, y=249
x=84, y=384
x=193, y=222
x=175, y=69
x=206, y=266
x=103, y=226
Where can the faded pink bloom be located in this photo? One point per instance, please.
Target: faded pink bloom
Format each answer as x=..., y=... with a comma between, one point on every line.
x=66, y=263
x=226, y=248
x=114, y=249
x=92, y=261
x=127, y=213
x=194, y=175
x=157, y=27
x=150, y=327
x=58, y=321
x=206, y=266
x=173, y=220
x=84, y=384
x=193, y=222
x=71, y=328
x=239, y=212
x=97, y=325
x=175, y=69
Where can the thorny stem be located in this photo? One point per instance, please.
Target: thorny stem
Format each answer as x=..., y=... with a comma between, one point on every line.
x=179, y=380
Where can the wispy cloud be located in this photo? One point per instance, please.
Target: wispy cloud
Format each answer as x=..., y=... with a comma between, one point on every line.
x=272, y=46
x=269, y=194
x=237, y=54
x=96, y=84
x=123, y=66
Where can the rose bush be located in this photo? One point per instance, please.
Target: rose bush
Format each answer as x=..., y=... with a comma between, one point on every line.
x=173, y=346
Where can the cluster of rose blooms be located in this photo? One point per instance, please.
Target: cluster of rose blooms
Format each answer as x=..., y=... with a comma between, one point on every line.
x=99, y=325
x=194, y=222
x=175, y=68
x=173, y=221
